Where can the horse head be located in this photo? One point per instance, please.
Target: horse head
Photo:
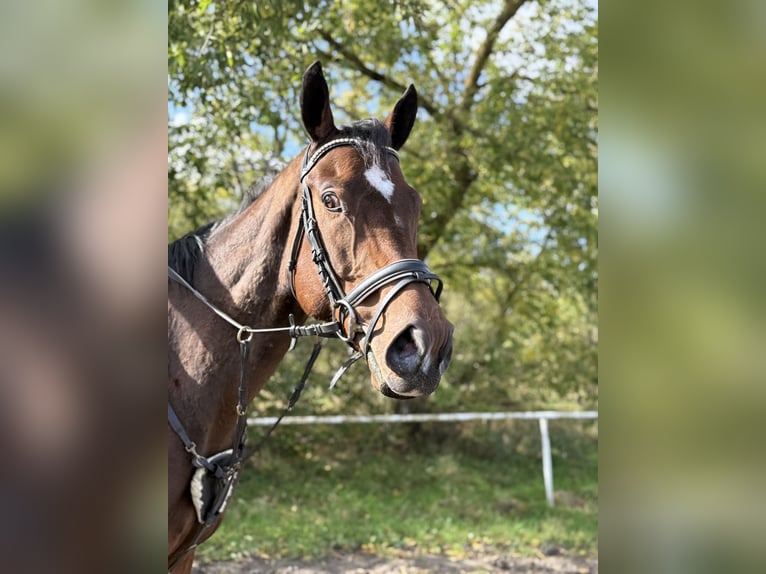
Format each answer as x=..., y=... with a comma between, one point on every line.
x=364, y=216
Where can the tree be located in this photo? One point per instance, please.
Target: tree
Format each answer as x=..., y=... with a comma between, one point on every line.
x=504, y=154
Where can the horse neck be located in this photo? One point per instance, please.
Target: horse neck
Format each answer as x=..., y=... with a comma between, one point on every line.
x=244, y=273
x=248, y=257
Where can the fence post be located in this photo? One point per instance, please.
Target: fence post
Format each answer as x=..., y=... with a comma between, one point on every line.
x=547, y=461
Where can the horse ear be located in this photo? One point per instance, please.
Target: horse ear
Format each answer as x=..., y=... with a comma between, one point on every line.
x=401, y=119
x=315, y=104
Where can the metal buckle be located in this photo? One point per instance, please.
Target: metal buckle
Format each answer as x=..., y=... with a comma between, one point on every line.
x=241, y=334
x=352, y=322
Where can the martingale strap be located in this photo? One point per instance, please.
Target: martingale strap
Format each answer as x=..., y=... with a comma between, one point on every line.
x=328, y=329
x=213, y=481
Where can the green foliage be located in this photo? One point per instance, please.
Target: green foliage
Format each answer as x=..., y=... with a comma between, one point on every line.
x=452, y=489
x=504, y=154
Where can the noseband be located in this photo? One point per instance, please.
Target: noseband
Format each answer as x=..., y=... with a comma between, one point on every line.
x=402, y=272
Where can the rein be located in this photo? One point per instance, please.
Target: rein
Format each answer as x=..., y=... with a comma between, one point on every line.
x=225, y=466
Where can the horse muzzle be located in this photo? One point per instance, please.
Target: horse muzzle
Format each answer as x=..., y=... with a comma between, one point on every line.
x=413, y=364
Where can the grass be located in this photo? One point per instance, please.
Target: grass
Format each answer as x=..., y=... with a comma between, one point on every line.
x=445, y=489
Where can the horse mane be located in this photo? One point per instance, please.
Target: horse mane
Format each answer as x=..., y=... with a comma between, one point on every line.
x=184, y=253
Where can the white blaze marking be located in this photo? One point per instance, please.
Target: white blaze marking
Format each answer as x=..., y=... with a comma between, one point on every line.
x=379, y=180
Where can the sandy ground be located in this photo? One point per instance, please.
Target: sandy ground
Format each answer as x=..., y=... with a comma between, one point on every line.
x=363, y=564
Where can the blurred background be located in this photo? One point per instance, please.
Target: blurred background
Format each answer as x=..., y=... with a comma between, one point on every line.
x=83, y=148
x=504, y=154
x=681, y=290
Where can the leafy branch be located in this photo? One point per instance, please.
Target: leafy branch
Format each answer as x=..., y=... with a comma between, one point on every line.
x=485, y=50
x=357, y=64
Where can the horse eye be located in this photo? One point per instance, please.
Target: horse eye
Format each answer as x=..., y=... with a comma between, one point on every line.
x=331, y=202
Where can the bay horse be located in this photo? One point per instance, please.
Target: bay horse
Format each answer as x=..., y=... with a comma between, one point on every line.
x=333, y=236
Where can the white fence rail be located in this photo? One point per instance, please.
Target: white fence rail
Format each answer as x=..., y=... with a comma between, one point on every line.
x=541, y=416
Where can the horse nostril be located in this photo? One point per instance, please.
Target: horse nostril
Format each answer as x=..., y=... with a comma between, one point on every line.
x=406, y=351
x=404, y=345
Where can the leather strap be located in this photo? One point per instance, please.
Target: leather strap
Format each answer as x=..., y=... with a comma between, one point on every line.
x=392, y=272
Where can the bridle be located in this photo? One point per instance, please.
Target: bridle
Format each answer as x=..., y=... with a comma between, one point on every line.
x=403, y=272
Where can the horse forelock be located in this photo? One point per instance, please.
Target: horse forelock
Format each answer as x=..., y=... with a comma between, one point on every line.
x=371, y=137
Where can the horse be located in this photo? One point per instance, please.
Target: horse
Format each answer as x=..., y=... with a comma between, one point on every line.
x=334, y=235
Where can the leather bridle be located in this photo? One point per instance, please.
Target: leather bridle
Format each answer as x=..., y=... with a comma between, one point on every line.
x=400, y=273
